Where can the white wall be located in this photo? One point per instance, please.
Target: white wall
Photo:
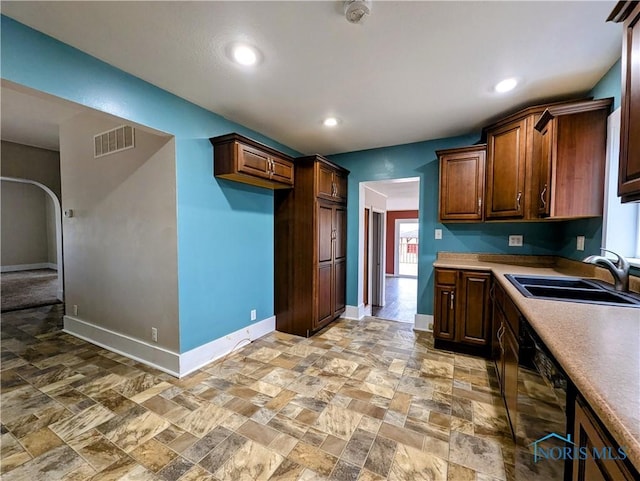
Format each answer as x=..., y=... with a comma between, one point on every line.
x=120, y=246
x=31, y=163
x=50, y=220
x=403, y=203
x=24, y=224
x=375, y=200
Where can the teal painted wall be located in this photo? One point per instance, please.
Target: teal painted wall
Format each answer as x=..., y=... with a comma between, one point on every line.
x=225, y=229
x=610, y=85
x=419, y=159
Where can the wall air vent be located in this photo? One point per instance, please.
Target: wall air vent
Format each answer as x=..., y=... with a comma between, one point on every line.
x=114, y=140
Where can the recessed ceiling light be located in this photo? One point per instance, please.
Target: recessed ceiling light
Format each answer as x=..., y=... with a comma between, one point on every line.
x=244, y=54
x=506, y=85
x=330, y=122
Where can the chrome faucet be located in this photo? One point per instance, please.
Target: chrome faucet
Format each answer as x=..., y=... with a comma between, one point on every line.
x=619, y=270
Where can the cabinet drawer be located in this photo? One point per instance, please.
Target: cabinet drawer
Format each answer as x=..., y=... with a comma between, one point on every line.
x=445, y=276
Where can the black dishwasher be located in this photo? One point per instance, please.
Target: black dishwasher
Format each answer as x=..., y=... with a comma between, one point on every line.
x=541, y=411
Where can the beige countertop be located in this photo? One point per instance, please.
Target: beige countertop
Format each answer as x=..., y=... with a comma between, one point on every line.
x=598, y=346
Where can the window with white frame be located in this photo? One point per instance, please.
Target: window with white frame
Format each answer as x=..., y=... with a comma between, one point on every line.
x=621, y=222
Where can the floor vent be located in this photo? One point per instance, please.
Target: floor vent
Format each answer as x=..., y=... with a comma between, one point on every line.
x=115, y=140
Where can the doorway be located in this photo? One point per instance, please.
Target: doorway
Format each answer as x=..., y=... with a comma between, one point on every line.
x=406, y=241
x=377, y=253
x=390, y=248
x=32, y=268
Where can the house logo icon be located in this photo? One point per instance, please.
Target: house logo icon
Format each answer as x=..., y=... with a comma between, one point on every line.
x=539, y=453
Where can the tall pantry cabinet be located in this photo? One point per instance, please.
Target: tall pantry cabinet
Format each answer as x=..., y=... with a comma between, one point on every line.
x=311, y=247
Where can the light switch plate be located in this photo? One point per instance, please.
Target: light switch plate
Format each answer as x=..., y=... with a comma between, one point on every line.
x=580, y=243
x=438, y=234
x=516, y=240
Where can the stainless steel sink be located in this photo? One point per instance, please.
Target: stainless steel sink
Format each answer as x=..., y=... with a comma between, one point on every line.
x=572, y=289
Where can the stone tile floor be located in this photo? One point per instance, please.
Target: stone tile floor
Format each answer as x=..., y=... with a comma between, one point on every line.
x=369, y=400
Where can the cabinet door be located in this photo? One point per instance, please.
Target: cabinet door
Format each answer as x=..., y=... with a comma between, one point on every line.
x=506, y=152
x=325, y=233
x=462, y=185
x=340, y=186
x=473, y=321
x=252, y=161
x=444, y=312
x=324, y=298
x=545, y=166
x=590, y=435
x=324, y=182
x=510, y=375
x=629, y=174
x=340, y=232
x=339, y=285
x=282, y=170
x=500, y=357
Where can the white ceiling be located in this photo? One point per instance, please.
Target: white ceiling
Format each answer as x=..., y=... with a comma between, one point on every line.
x=397, y=188
x=414, y=71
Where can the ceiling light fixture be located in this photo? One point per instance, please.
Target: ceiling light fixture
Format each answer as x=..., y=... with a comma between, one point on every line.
x=330, y=122
x=356, y=10
x=245, y=55
x=506, y=85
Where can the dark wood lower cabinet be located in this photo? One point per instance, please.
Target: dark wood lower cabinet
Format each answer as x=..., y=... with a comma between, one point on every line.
x=591, y=437
x=461, y=319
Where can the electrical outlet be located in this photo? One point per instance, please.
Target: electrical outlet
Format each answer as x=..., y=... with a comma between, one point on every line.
x=253, y=314
x=438, y=234
x=580, y=243
x=154, y=334
x=75, y=310
x=516, y=240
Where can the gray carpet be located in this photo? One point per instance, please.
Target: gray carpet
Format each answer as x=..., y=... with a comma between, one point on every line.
x=25, y=289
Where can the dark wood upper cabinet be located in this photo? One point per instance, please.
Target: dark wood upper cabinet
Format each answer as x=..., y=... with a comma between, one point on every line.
x=545, y=161
x=506, y=157
x=241, y=159
x=573, y=158
x=331, y=184
x=628, y=13
x=462, y=183
x=311, y=247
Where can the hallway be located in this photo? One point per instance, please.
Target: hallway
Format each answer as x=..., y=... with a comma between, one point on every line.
x=401, y=299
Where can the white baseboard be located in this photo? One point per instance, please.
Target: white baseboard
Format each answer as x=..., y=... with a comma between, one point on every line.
x=29, y=267
x=357, y=313
x=154, y=356
x=203, y=355
x=423, y=322
x=173, y=363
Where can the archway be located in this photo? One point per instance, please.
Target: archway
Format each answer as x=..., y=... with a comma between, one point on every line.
x=58, y=216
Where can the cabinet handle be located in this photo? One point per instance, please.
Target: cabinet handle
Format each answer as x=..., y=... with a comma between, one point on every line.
x=518, y=199
x=452, y=296
x=500, y=334
x=479, y=205
x=542, y=196
x=492, y=291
